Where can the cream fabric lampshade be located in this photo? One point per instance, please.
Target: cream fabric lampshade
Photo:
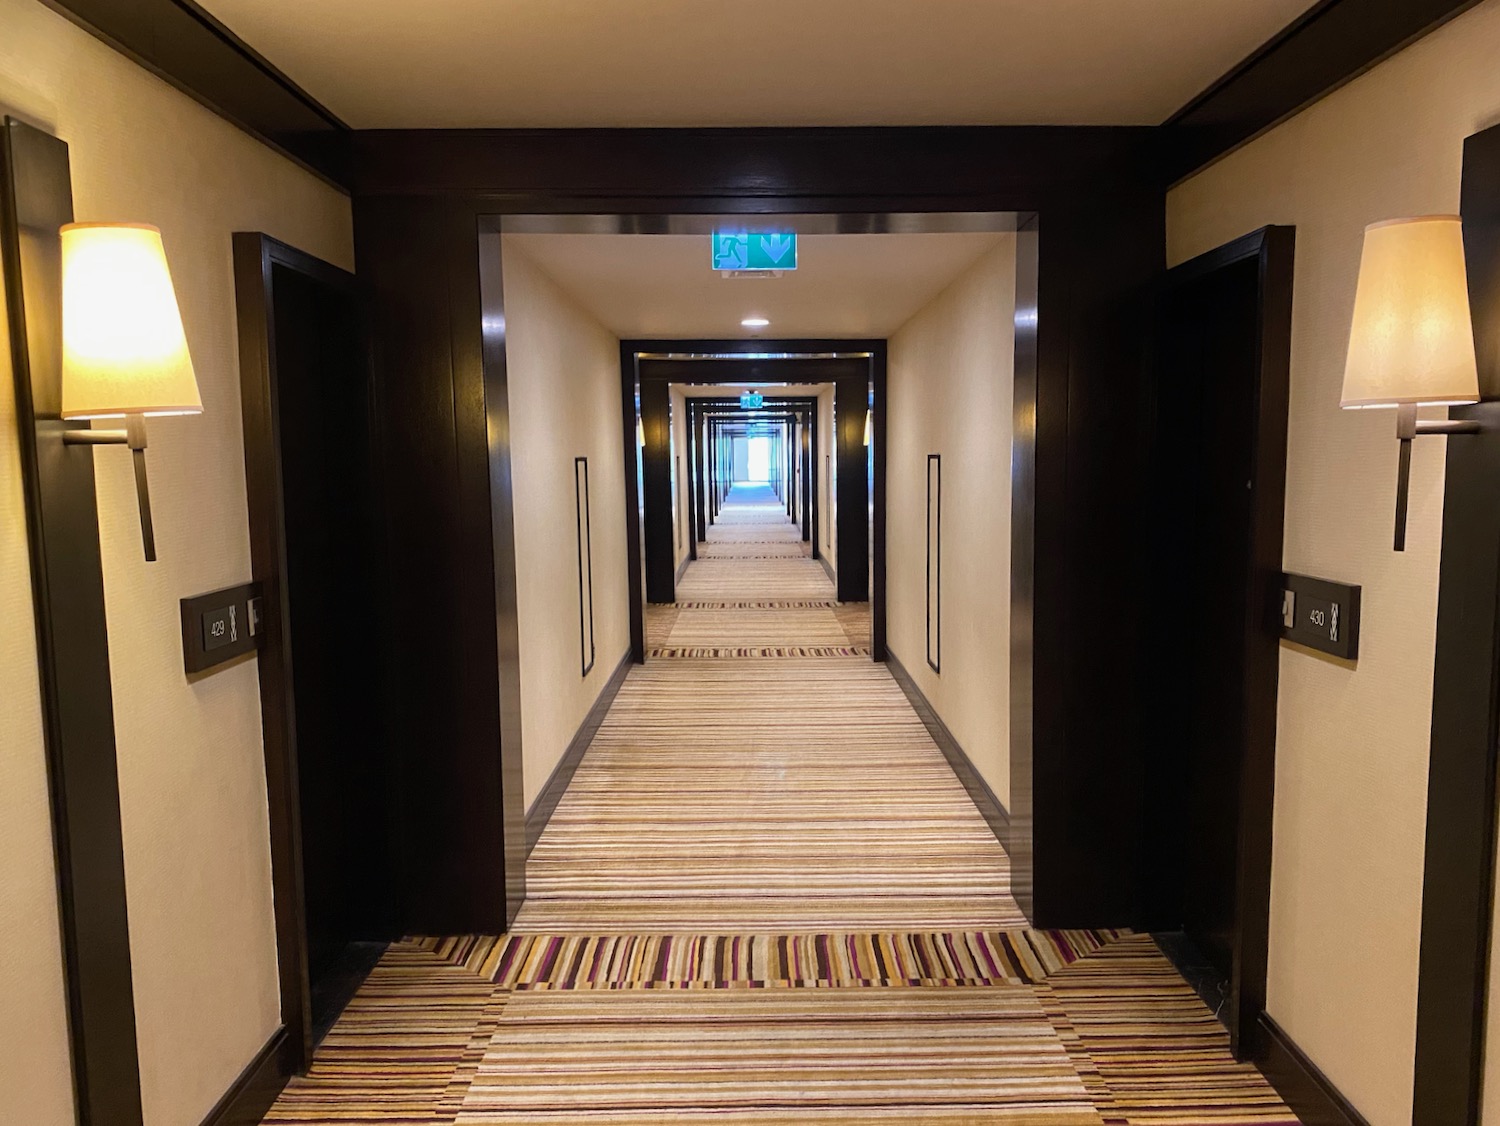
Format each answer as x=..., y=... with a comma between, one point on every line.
x=124, y=351
x=1412, y=340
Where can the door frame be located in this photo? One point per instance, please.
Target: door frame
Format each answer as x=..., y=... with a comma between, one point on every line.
x=1274, y=249
x=702, y=417
x=255, y=255
x=431, y=265
x=699, y=365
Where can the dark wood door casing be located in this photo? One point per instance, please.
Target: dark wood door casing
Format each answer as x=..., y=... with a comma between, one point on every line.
x=423, y=205
x=1219, y=450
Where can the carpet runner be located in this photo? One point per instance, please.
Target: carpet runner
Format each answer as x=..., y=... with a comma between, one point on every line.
x=765, y=898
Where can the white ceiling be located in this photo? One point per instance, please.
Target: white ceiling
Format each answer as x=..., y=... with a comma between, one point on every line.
x=535, y=63
x=645, y=286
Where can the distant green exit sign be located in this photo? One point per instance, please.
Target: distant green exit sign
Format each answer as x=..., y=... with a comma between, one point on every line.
x=755, y=250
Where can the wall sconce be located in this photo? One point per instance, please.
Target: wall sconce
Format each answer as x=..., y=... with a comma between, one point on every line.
x=124, y=352
x=869, y=425
x=640, y=431
x=1412, y=341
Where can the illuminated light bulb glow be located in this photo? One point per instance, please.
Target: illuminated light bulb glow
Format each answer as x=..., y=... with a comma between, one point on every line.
x=124, y=349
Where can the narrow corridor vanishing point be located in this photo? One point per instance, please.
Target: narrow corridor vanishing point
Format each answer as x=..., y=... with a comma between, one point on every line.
x=767, y=898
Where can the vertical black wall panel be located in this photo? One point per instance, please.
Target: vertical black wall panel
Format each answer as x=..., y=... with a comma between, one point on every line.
x=851, y=401
x=1459, y=858
x=482, y=396
x=451, y=675
x=703, y=478
x=72, y=640
x=1089, y=573
x=1458, y=884
x=1023, y=503
x=661, y=567
x=879, y=461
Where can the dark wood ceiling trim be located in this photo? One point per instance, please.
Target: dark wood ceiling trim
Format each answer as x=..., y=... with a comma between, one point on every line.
x=542, y=171
x=1333, y=43
x=187, y=47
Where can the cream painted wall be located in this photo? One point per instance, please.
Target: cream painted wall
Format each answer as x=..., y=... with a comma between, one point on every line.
x=1352, y=746
x=827, y=478
x=35, y=1072
x=950, y=375
x=192, y=782
x=564, y=370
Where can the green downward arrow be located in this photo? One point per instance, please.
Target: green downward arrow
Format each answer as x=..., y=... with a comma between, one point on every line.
x=776, y=251
x=778, y=246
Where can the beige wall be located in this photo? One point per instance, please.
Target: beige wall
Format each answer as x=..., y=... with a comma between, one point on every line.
x=35, y=1075
x=192, y=784
x=564, y=374
x=826, y=480
x=1352, y=745
x=951, y=373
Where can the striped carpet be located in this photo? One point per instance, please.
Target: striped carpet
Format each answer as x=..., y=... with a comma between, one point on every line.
x=430, y=1038
x=721, y=580
x=1150, y=1051
x=847, y=1056
x=1018, y=957
x=765, y=898
x=762, y=775
x=765, y=796
x=754, y=553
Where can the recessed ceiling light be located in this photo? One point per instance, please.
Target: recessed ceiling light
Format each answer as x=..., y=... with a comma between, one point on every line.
x=755, y=322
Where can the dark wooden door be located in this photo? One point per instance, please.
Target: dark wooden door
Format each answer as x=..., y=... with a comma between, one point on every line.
x=330, y=547
x=305, y=389
x=1219, y=472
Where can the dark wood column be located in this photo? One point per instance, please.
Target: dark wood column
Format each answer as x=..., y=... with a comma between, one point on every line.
x=726, y=470
x=814, y=464
x=805, y=451
x=877, y=454
x=789, y=470
x=700, y=470
x=694, y=489
x=851, y=395
x=656, y=411
x=711, y=461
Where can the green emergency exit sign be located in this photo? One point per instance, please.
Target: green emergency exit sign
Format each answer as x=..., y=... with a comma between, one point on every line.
x=755, y=250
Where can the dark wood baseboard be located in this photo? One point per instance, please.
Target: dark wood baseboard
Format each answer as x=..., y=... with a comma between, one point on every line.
x=990, y=807
x=251, y=1095
x=546, y=801
x=833, y=578
x=1304, y=1088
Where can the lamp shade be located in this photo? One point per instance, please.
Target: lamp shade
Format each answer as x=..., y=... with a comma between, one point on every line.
x=124, y=351
x=1412, y=341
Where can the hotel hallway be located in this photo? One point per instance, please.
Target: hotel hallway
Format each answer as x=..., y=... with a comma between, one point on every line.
x=766, y=897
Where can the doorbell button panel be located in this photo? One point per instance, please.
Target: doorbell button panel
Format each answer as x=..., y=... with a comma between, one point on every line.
x=1321, y=614
x=220, y=626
